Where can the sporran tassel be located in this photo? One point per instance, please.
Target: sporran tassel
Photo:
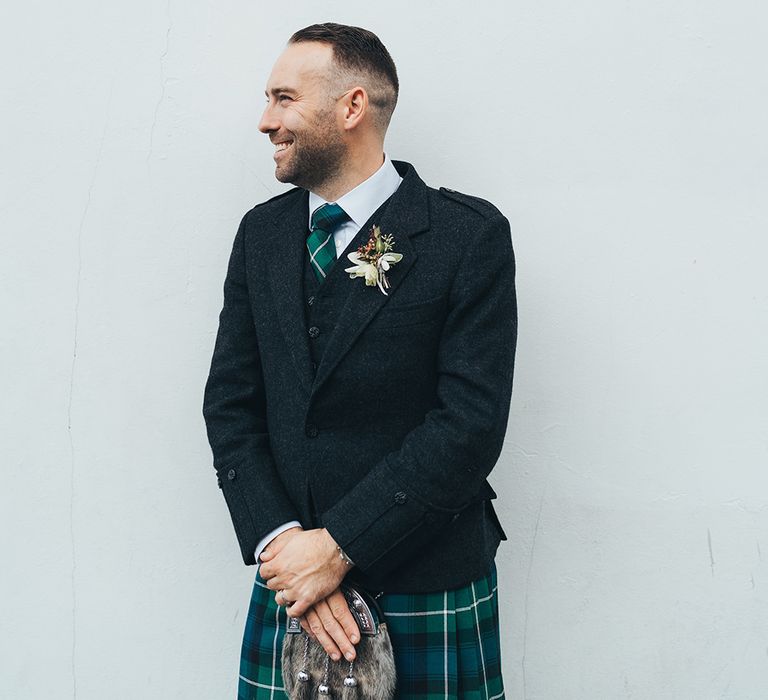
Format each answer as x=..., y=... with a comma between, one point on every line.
x=302, y=685
x=350, y=690
x=324, y=690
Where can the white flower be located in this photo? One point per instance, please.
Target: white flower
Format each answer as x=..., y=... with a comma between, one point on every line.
x=388, y=259
x=362, y=268
x=384, y=262
x=373, y=273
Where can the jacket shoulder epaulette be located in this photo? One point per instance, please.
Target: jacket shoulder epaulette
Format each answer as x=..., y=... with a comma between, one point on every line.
x=481, y=206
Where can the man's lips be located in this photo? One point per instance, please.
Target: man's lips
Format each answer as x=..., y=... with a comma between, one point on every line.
x=281, y=147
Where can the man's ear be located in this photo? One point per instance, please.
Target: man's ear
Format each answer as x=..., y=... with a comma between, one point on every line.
x=355, y=104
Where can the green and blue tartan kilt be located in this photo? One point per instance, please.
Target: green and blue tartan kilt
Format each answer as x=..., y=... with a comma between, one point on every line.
x=446, y=644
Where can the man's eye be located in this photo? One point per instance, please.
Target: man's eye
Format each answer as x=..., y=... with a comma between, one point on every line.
x=282, y=98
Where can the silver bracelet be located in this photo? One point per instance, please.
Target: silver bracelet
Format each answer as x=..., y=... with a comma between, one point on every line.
x=344, y=556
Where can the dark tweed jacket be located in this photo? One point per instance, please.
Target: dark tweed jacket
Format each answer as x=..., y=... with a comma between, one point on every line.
x=387, y=439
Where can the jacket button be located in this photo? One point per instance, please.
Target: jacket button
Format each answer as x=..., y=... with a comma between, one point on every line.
x=311, y=300
x=231, y=474
x=400, y=498
x=314, y=331
x=311, y=431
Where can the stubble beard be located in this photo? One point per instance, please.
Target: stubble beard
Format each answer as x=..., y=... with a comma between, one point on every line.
x=317, y=158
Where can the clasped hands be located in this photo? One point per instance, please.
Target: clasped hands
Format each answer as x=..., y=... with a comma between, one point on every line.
x=304, y=569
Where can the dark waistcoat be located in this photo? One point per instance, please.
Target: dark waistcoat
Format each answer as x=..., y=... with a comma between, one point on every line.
x=323, y=300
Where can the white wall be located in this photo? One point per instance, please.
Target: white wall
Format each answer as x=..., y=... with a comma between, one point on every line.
x=626, y=143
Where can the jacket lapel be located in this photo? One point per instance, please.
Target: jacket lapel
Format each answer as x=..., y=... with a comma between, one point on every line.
x=406, y=214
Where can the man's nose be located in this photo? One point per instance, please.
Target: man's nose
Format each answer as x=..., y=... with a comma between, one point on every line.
x=268, y=122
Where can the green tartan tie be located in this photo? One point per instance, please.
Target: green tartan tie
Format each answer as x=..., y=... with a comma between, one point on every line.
x=322, y=251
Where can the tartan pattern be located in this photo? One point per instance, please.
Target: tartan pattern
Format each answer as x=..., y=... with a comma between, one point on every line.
x=322, y=252
x=446, y=643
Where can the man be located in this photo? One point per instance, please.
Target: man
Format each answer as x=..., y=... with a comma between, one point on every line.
x=360, y=384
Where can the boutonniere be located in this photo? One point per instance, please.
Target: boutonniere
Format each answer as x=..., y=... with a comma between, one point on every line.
x=373, y=259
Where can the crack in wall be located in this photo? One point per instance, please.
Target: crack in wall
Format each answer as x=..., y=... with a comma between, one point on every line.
x=163, y=81
x=76, y=329
x=528, y=584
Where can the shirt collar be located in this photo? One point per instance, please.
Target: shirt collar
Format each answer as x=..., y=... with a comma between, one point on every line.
x=367, y=197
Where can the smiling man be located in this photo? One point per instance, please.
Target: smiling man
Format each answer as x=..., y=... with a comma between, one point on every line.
x=359, y=389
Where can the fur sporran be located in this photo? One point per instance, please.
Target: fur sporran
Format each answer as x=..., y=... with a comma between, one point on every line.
x=308, y=672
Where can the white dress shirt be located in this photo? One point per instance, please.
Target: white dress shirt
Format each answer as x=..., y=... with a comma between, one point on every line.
x=359, y=203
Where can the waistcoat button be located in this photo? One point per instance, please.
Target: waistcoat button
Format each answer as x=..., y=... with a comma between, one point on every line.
x=231, y=474
x=314, y=331
x=311, y=300
x=400, y=498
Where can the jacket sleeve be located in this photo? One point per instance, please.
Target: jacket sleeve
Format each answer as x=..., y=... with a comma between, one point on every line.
x=412, y=494
x=234, y=408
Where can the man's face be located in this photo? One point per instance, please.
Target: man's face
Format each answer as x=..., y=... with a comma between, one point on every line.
x=301, y=117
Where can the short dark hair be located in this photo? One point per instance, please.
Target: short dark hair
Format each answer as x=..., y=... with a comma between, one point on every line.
x=358, y=50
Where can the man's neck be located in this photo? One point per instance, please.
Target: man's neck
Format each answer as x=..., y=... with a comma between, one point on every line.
x=357, y=170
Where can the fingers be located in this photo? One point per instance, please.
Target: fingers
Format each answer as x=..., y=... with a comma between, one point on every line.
x=301, y=595
x=317, y=631
x=298, y=608
x=274, y=583
x=277, y=543
x=270, y=552
x=329, y=632
x=305, y=626
x=302, y=600
x=287, y=597
x=337, y=604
